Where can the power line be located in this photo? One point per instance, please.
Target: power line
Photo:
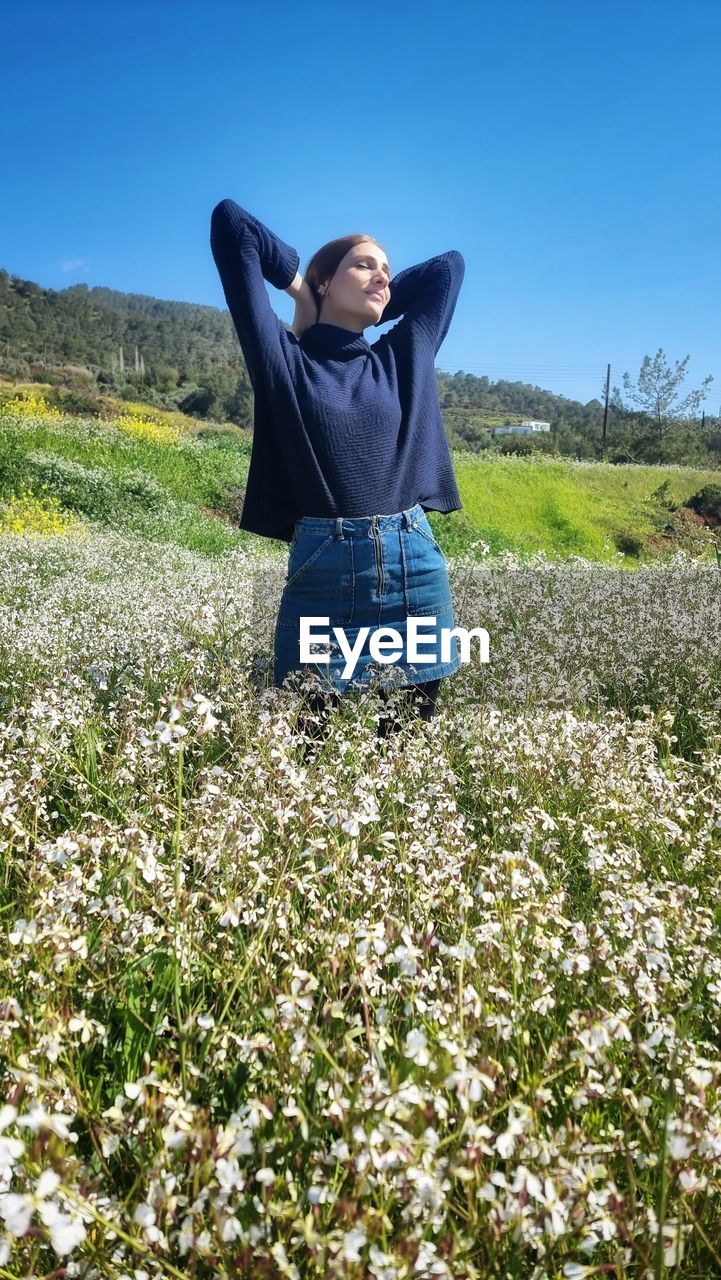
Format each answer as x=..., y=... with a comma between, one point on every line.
x=532, y=364
x=620, y=366
x=538, y=371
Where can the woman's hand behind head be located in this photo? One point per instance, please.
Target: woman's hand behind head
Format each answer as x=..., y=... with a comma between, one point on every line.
x=306, y=309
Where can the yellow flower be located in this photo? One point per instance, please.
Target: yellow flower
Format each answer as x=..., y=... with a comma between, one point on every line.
x=30, y=405
x=146, y=428
x=41, y=516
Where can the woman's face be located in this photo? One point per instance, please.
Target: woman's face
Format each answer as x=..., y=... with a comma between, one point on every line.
x=358, y=293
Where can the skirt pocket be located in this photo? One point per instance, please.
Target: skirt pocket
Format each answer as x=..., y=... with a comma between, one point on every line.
x=320, y=580
x=427, y=588
x=304, y=550
x=423, y=527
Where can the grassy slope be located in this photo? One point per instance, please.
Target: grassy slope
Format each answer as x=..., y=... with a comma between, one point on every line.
x=513, y=503
x=560, y=507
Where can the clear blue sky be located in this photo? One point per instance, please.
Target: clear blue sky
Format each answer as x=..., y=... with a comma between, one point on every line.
x=572, y=152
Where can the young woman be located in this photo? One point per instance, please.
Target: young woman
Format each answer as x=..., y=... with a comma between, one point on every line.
x=349, y=449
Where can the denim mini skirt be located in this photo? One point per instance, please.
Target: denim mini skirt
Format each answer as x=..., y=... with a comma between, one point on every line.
x=367, y=572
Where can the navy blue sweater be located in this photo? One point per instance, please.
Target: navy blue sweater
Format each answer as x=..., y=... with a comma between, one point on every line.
x=341, y=427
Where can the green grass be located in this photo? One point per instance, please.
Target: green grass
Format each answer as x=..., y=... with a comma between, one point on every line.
x=517, y=504
x=559, y=507
x=355, y=999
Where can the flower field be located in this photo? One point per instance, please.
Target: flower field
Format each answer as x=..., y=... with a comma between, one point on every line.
x=445, y=1005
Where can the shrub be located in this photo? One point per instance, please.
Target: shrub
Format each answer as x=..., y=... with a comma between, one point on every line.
x=141, y=487
x=629, y=543
x=707, y=502
x=92, y=490
x=79, y=403
x=662, y=496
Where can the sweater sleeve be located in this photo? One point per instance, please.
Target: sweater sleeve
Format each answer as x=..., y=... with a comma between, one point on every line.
x=246, y=253
x=425, y=296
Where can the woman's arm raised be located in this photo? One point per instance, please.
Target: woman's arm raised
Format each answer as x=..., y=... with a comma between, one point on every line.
x=425, y=296
x=306, y=307
x=246, y=254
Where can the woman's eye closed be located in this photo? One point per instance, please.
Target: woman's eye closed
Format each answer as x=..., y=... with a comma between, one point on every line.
x=367, y=264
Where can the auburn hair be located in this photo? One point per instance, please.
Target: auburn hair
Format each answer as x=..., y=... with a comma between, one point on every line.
x=326, y=260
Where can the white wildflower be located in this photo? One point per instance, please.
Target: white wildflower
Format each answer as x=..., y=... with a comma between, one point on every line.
x=416, y=1047
x=23, y=932
x=353, y=1242
x=17, y=1210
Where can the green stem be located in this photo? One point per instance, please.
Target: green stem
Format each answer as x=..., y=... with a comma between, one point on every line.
x=659, y=1267
x=123, y=1235
x=460, y=974
x=176, y=843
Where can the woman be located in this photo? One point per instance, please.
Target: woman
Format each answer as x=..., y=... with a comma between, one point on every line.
x=349, y=449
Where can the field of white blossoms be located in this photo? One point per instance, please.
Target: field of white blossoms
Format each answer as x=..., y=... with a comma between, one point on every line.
x=445, y=1005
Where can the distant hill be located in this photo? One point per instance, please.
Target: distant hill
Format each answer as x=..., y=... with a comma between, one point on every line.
x=186, y=356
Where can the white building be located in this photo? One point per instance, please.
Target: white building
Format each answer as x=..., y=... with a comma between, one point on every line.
x=521, y=428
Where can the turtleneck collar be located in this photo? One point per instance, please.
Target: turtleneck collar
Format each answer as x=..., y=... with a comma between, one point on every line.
x=322, y=339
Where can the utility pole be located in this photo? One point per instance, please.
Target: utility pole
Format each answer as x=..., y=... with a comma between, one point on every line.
x=605, y=410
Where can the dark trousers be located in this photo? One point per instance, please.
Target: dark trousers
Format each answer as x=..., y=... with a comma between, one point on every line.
x=420, y=696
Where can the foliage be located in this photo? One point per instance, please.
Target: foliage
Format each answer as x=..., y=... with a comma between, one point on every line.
x=656, y=392
x=168, y=477
x=37, y=515
x=192, y=362
x=441, y=1006
x=662, y=495
x=707, y=501
x=629, y=544
x=29, y=405
x=93, y=490
x=143, y=427
x=566, y=508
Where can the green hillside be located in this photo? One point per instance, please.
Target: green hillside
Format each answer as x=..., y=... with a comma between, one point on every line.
x=563, y=507
x=172, y=478
x=90, y=343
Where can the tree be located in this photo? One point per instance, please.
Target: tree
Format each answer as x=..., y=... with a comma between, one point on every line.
x=656, y=392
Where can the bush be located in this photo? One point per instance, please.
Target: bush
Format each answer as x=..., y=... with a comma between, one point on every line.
x=662, y=496
x=223, y=438
x=35, y=514
x=12, y=463
x=141, y=487
x=629, y=543
x=80, y=403
x=707, y=502
x=92, y=490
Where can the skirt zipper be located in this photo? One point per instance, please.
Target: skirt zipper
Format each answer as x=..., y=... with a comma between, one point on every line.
x=379, y=554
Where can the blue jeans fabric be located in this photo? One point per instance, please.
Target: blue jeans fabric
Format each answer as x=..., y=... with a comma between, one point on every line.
x=367, y=571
